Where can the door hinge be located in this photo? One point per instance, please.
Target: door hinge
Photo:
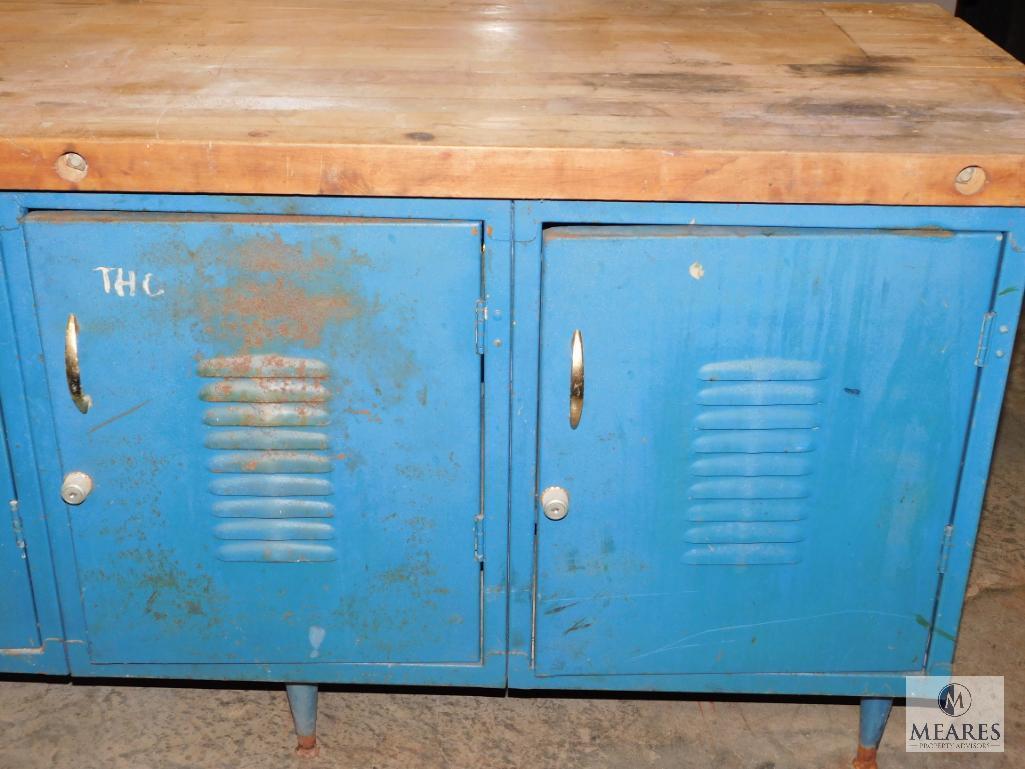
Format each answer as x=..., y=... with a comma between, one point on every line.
x=982, y=351
x=480, y=310
x=478, y=538
x=19, y=538
x=948, y=533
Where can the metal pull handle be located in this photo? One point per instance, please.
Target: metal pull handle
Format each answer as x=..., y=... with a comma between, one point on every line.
x=71, y=369
x=576, y=381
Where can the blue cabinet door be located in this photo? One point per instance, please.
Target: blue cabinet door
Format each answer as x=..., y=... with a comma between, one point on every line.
x=18, y=626
x=768, y=451
x=284, y=435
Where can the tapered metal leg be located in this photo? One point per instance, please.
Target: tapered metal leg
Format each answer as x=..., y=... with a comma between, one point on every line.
x=874, y=713
x=302, y=699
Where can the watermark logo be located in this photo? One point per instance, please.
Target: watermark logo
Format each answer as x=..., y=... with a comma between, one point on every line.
x=955, y=699
x=961, y=715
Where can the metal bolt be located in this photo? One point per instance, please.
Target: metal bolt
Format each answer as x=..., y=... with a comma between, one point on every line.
x=1000, y=353
x=970, y=180
x=1004, y=329
x=71, y=167
x=76, y=161
x=966, y=175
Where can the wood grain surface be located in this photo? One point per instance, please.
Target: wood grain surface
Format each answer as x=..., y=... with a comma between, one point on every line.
x=587, y=99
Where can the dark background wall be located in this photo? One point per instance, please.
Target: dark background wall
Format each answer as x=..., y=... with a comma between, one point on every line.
x=1002, y=21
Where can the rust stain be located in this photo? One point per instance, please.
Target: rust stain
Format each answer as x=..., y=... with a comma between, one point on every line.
x=866, y=758
x=265, y=390
x=263, y=365
x=271, y=254
x=174, y=595
x=258, y=312
x=307, y=746
x=279, y=292
x=416, y=572
x=370, y=415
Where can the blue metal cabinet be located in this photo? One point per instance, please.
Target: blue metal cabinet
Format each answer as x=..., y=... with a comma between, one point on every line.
x=19, y=627
x=701, y=448
x=766, y=458
x=785, y=422
x=282, y=426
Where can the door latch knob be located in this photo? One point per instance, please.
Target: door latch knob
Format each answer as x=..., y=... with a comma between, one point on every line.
x=555, y=502
x=76, y=487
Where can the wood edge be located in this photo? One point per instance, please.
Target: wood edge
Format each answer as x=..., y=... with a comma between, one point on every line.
x=248, y=168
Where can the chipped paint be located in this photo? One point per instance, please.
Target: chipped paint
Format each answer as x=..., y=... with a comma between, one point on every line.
x=265, y=390
x=276, y=552
x=267, y=415
x=317, y=635
x=922, y=232
x=263, y=365
x=269, y=462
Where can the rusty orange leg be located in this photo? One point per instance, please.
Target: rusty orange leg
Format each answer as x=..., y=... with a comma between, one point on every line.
x=302, y=699
x=874, y=713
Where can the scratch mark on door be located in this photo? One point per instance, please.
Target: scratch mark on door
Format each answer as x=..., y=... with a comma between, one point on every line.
x=116, y=417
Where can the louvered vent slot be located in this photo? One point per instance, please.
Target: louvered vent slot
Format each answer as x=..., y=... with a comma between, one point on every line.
x=270, y=466
x=754, y=451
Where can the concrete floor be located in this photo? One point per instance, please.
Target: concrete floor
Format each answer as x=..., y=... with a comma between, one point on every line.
x=92, y=726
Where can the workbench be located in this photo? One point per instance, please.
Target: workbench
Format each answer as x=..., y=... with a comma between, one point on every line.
x=655, y=346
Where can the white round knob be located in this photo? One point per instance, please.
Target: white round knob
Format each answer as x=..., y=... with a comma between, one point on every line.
x=76, y=487
x=555, y=502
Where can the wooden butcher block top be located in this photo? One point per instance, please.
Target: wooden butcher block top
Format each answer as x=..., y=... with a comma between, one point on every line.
x=591, y=99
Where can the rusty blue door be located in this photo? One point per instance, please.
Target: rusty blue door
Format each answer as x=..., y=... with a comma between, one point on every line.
x=766, y=458
x=283, y=430
x=18, y=626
